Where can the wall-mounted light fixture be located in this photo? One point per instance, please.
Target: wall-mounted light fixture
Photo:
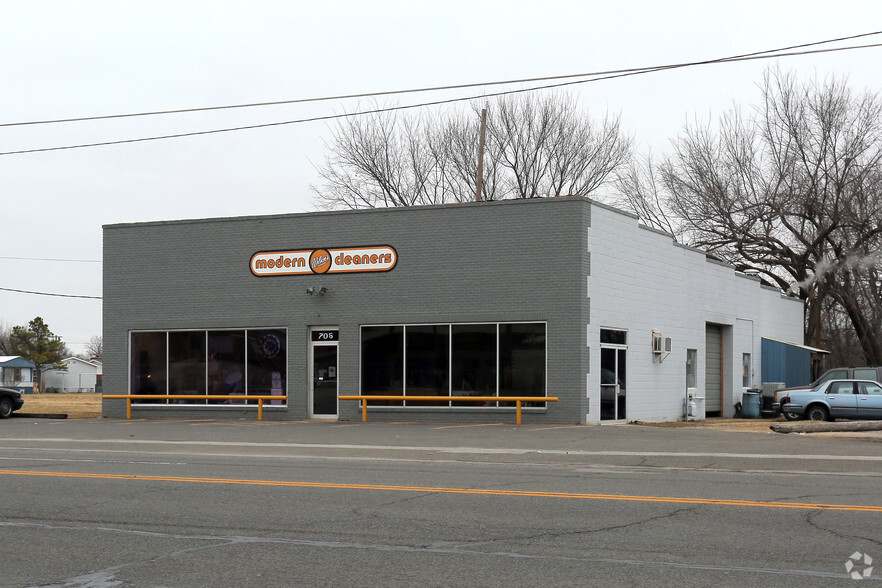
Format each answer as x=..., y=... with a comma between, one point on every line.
x=322, y=291
x=310, y=291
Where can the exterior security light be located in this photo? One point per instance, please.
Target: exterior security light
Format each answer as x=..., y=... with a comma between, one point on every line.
x=310, y=290
x=322, y=291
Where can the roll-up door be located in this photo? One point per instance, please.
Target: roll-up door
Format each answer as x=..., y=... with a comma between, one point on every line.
x=713, y=378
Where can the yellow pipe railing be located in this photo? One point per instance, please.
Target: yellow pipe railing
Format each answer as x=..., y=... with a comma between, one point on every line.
x=129, y=397
x=516, y=399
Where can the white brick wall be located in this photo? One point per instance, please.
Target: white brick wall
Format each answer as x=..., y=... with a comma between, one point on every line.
x=641, y=281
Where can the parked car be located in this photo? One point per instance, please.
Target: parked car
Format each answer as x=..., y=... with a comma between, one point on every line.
x=10, y=400
x=836, y=399
x=842, y=373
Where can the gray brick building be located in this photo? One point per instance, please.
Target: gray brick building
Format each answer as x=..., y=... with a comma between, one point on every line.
x=558, y=297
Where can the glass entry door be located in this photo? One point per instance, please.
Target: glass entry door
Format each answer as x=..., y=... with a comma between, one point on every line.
x=323, y=352
x=613, y=379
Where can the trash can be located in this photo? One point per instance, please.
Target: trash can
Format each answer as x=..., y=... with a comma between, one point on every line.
x=750, y=404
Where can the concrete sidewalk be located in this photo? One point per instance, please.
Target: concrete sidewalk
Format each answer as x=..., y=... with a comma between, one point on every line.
x=712, y=435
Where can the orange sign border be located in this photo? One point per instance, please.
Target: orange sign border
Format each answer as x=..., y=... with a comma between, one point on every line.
x=334, y=252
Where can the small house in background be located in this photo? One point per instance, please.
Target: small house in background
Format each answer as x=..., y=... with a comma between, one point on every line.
x=81, y=375
x=17, y=372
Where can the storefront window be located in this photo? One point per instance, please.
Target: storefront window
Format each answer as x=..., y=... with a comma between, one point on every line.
x=382, y=362
x=226, y=364
x=149, y=361
x=484, y=359
x=474, y=361
x=186, y=364
x=235, y=363
x=428, y=362
x=522, y=360
x=267, y=357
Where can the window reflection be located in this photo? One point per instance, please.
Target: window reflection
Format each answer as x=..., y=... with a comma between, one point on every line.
x=522, y=360
x=226, y=365
x=267, y=357
x=474, y=362
x=428, y=362
x=236, y=363
x=484, y=359
x=382, y=362
x=186, y=364
x=148, y=361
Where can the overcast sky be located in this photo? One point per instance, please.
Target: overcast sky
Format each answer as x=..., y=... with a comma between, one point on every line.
x=69, y=59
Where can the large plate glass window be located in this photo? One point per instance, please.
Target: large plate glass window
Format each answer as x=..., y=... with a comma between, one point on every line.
x=477, y=359
x=226, y=363
x=149, y=361
x=186, y=364
x=474, y=361
x=266, y=360
x=236, y=363
x=382, y=362
x=522, y=360
x=428, y=362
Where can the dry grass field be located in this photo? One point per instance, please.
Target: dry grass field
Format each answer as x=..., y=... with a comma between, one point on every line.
x=75, y=406
x=720, y=424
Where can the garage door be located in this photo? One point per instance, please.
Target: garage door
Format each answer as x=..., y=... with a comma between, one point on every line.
x=713, y=377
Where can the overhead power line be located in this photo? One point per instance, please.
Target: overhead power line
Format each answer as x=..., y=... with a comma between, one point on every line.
x=49, y=294
x=440, y=88
x=600, y=76
x=51, y=259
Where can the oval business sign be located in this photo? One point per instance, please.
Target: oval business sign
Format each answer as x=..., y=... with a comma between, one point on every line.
x=339, y=260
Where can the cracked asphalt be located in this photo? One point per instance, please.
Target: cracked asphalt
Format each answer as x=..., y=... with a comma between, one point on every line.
x=103, y=503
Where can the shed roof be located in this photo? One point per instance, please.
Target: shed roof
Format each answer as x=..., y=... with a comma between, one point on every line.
x=800, y=345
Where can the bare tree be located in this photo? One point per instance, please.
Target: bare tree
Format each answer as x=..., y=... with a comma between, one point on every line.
x=5, y=341
x=639, y=190
x=792, y=191
x=95, y=347
x=536, y=147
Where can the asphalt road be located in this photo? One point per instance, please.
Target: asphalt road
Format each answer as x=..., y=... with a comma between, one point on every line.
x=103, y=503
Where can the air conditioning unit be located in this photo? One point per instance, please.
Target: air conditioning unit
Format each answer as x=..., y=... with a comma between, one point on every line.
x=660, y=344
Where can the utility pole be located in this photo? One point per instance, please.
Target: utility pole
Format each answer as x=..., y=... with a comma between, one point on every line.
x=480, y=181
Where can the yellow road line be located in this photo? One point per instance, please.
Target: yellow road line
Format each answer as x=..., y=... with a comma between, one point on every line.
x=442, y=490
